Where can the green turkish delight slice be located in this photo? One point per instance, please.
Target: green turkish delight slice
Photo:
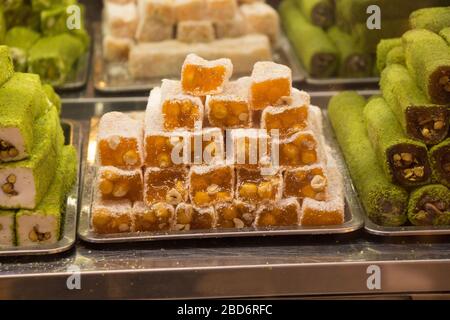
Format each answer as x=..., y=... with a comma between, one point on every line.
x=429, y=206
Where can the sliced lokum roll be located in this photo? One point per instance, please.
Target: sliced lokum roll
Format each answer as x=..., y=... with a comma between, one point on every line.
x=353, y=61
x=383, y=48
x=54, y=57
x=112, y=216
x=283, y=213
x=396, y=56
x=420, y=119
x=427, y=57
x=114, y=184
x=433, y=19
x=318, y=12
x=6, y=65
x=52, y=96
x=158, y=217
x=200, y=77
x=262, y=18
x=7, y=228
x=445, y=33
x=20, y=40
x=22, y=100
x=230, y=109
x=44, y=223
x=430, y=206
x=404, y=161
x=440, y=162
x=2, y=25
x=120, y=141
x=189, y=217
x=319, y=56
x=236, y=214
x=385, y=203
x=24, y=183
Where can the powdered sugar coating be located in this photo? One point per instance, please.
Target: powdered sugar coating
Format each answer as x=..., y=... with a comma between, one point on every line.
x=268, y=70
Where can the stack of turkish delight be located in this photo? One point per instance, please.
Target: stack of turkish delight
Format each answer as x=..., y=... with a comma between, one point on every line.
x=155, y=36
x=213, y=153
x=36, y=169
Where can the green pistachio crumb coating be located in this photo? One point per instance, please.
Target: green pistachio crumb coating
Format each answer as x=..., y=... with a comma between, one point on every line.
x=383, y=48
x=311, y=44
x=352, y=61
x=8, y=219
x=445, y=33
x=410, y=105
x=39, y=5
x=54, y=57
x=396, y=56
x=440, y=162
x=429, y=206
x=384, y=202
x=6, y=65
x=433, y=19
x=318, y=12
x=427, y=58
x=20, y=40
x=52, y=96
x=2, y=25
x=388, y=140
x=53, y=202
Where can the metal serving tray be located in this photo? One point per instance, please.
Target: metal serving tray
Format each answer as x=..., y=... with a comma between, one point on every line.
x=72, y=133
x=353, y=214
x=112, y=77
x=77, y=79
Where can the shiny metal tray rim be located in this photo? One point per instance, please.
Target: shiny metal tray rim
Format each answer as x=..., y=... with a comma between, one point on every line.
x=82, y=73
x=378, y=230
x=353, y=208
x=70, y=216
x=100, y=67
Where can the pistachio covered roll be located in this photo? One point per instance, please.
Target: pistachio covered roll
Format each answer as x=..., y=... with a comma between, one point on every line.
x=384, y=202
x=7, y=228
x=39, y=5
x=445, y=33
x=420, y=119
x=383, y=48
x=427, y=58
x=54, y=57
x=313, y=47
x=396, y=56
x=404, y=161
x=429, y=206
x=433, y=19
x=44, y=223
x=2, y=25
x=24, y=183
x=22, y=16
x=318, y=12
x=6, y=65
x=353, y=62
x=20, y=40
x=52, y=96
x=440, y=162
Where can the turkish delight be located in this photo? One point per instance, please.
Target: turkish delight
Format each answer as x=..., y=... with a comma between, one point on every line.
x=114, y=183
x=236, y=214
x=157, y=217
x=165, y=185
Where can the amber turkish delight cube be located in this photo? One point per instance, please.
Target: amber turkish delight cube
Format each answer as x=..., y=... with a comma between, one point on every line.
x=255, y=184
x=285, y=212
x=158, y=217
x=306, y=182
x=236, y=214
x=165, y=149
x=111, y=216
x=249, y=147
x=299, y=149
x=165, y=185
x=270, y=83
x=209, y=185
x=120, y=141
x=230, y=109
x=114, y=183
x=200, y=77
x=205, y=146
x=189, y=217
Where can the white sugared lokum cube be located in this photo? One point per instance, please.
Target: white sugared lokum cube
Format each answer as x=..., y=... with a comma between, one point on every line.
x=270, y=83
x=262, y=18
x=121, y=20
x=190, y=10
x=116, y=49
x=151, y=30
x=192, y=31
x=160, y=10
x=232, y=28
x=119, y=141
x=201, y=77
x=221, y=10
x=230, y=109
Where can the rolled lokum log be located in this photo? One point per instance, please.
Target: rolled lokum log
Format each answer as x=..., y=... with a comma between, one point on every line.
x=23, y=16
x=433, y=19
x=7, y=229
x=440, y=162
x=384, y=202
x=429, y=206
x=6, y=65
x=44, y=223
x=25, y=183
x=313, y=47
x=54, y=57
x=353, y=62
x=420, y=119
x=427, y=58
x=404, y=161
x=383, y=48
x=396, y=56
x=54, y=98
x=318, y=12
x=445, y=33
x=39, y=5
x=20, y=40
x=2, y=25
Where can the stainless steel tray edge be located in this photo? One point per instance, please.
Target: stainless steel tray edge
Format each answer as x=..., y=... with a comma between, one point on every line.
x=70, y=217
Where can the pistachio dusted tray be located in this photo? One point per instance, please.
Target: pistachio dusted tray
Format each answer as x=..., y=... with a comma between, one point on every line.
x=72, y=134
